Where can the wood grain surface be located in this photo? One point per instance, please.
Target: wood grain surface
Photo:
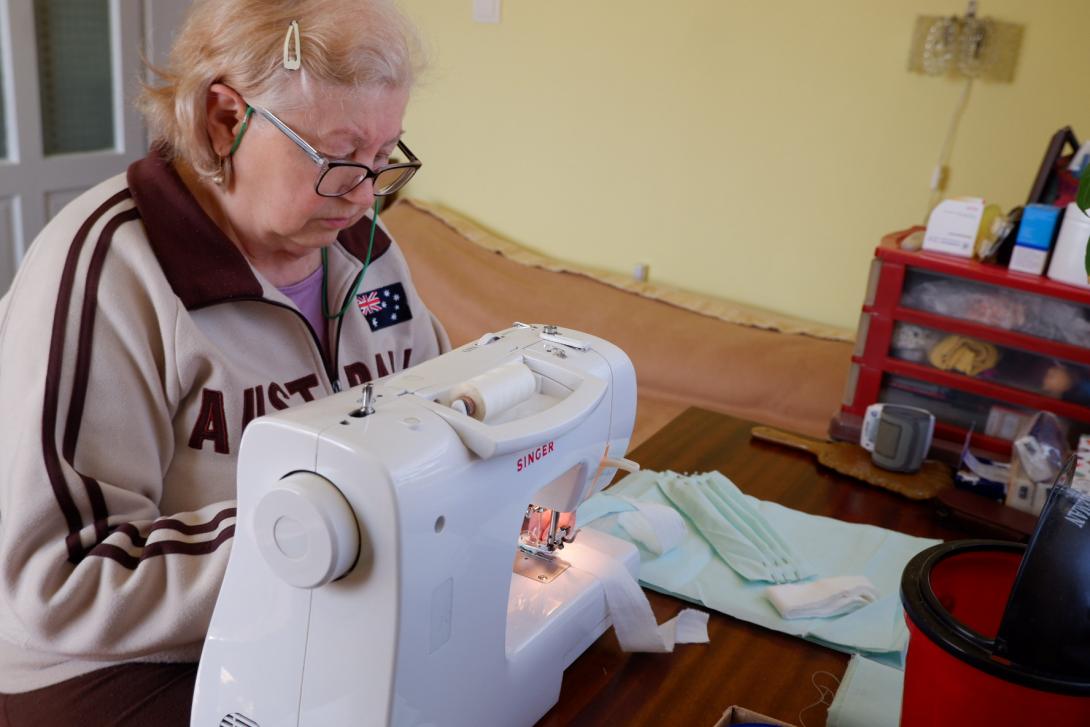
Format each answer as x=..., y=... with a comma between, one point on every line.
x=747, y=665
x=852, y=460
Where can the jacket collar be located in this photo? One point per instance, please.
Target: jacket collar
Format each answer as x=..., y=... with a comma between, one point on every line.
x=201, y=264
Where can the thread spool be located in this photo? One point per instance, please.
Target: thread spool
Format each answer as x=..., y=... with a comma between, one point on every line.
x=495, y=391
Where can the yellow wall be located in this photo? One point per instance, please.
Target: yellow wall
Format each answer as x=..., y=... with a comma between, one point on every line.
x=751, y=149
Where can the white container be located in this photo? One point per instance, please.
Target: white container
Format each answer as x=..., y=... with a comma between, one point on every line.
x=1068, y=257
x=953, y=225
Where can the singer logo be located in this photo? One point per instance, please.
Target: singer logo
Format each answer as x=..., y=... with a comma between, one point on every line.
x=533, y=456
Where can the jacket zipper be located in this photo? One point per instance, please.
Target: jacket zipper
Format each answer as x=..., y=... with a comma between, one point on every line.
x=337, y=347
x=337, y=330
x=330, y=366
x=330, y=371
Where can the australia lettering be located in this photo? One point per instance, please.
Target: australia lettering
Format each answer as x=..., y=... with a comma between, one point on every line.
x=359, y=372
x=211, y=423
x=212, y=426
x=253, y=404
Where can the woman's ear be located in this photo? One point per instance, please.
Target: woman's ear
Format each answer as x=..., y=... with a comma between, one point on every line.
x=225, y=111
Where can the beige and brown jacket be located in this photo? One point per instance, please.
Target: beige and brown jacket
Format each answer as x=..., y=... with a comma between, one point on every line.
x=136, y=343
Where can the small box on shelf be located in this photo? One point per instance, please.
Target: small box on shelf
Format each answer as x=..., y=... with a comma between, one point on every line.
x=1035, y=236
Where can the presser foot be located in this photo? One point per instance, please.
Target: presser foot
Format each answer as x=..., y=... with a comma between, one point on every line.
x=537, y=565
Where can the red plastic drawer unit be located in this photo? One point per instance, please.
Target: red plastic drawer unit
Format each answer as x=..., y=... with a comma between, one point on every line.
x=977, y=345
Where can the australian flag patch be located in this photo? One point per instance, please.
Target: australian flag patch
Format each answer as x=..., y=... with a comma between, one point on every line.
x=384, y=307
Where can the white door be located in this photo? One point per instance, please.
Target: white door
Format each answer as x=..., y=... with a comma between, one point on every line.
x=69, y=71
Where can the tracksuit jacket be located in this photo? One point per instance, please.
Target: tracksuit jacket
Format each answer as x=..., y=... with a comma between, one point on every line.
x=136, y=344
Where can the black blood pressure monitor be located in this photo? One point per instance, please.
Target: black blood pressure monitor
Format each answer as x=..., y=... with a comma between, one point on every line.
x=898, y=437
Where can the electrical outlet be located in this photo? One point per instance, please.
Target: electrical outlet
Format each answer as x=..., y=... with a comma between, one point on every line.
x=486, y=11
x=641, y=272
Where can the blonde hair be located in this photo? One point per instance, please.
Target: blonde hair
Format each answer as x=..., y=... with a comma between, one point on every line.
x=357, y=44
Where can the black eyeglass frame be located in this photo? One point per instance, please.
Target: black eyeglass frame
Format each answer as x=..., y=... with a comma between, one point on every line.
x=327, y=164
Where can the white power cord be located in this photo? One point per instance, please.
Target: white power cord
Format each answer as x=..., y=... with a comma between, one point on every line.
x=941, y=173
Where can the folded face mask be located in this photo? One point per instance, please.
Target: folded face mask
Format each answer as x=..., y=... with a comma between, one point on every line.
x=733, y=527
x=745, y=507
x=736, y=550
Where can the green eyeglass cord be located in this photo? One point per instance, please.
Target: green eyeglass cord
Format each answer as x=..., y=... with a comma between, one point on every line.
x=241, y=130
x=359, y=278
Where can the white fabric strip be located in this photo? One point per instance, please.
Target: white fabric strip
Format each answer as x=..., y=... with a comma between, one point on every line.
x=822, y=598
x=657, y=528
x=630, y=610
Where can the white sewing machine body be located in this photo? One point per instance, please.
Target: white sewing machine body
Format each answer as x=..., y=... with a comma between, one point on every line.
x=420, y=508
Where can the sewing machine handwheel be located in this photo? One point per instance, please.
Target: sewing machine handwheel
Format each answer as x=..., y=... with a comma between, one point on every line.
x=306, y=530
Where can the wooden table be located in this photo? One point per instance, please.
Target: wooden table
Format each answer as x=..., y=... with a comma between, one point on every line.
x=743, y=664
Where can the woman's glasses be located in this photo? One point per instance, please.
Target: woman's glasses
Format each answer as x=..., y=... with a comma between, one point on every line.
x=338, y=178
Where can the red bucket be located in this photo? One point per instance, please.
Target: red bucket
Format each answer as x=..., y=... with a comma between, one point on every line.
x=955, y=595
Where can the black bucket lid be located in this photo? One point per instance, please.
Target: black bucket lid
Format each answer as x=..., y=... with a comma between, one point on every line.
x=1046, y=625
x=929, y=615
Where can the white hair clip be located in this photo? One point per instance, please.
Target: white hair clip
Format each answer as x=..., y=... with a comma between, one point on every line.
x=292, y=61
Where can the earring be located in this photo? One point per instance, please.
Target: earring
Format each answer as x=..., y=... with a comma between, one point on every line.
x=222, y=178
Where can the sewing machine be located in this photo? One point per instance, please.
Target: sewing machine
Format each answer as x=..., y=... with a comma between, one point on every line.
x=382, y=570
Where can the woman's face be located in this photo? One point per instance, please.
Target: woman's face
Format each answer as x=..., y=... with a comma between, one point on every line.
x=272, y=194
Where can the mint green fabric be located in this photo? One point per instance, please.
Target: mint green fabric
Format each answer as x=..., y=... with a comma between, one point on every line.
x=725, y=533
x=869, y=696
x=733, y=527
x=695, y=571
x=729, y=491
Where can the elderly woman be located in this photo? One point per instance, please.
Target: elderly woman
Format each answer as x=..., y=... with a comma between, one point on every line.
x=238, y=269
